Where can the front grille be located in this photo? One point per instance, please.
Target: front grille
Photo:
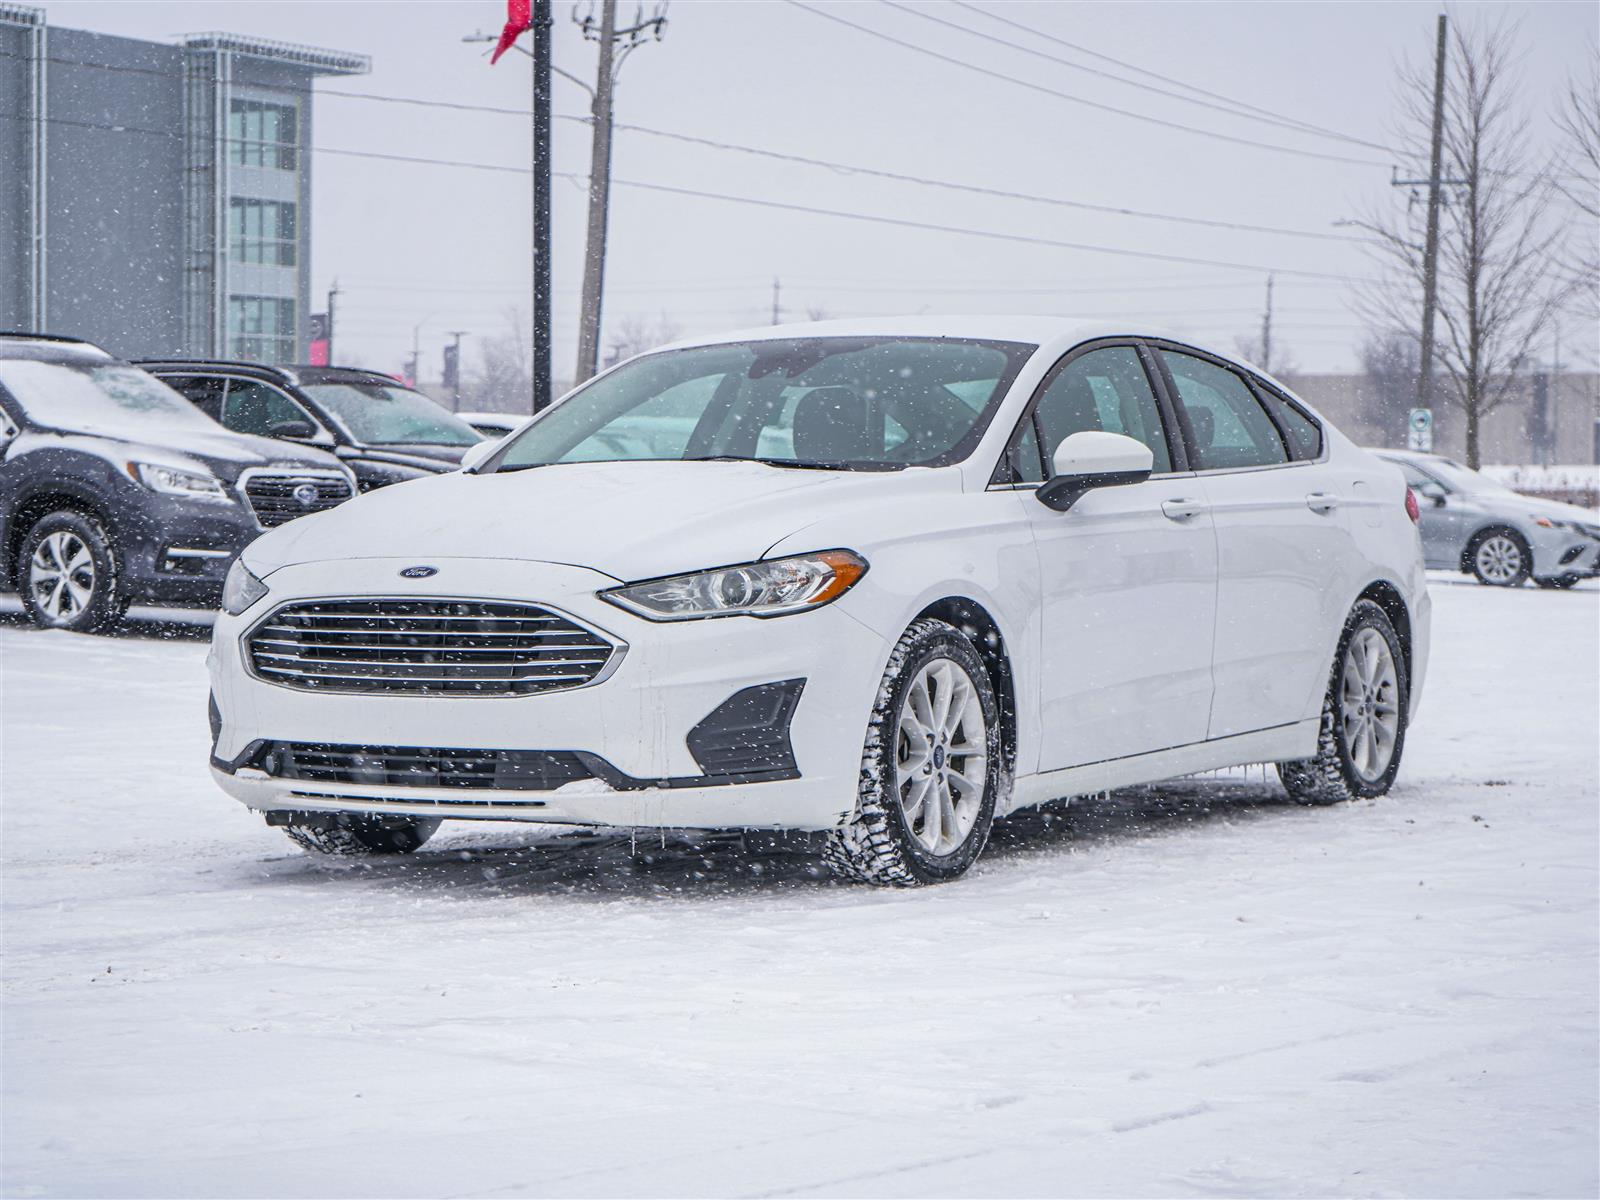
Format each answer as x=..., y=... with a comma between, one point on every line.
x=279, y=496
x=420, y=767
x=425, y=647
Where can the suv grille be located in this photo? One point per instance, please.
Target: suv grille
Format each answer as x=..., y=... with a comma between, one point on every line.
x=425, y=647
x=408, y=766
x=277, y=496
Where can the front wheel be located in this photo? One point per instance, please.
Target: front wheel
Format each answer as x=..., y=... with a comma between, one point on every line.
x=1500, y=558
x=68, y=574
x=345, y=835
x=931, y=768
x=1363, y=726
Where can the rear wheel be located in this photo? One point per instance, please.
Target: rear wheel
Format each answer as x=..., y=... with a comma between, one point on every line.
x=68, y=574
x=930, y=770
x=1363, y=728
x=344, y=835
x=1500, y=558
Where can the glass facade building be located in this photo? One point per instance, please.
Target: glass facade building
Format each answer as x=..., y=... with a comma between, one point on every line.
x=155, y=197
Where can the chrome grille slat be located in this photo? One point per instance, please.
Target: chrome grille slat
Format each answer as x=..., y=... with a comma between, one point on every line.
x=425, y=647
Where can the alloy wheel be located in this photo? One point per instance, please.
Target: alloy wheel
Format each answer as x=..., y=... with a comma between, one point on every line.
x=941, y=757
x=1369, y=704
x=61, y=576
x=1499, y=559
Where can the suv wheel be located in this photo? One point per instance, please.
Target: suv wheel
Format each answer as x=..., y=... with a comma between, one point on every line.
x=1500, y=558
x=68, y=574
x=930, y=770
x=1363, y=726
x=344, y=835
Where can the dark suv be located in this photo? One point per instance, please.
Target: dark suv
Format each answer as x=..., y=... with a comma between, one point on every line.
x=114, y=489
x=385, y=431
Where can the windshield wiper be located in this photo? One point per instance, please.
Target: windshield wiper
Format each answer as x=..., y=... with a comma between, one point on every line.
x=796, y=464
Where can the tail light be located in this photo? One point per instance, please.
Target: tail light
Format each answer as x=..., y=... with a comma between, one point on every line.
x=1412, y=510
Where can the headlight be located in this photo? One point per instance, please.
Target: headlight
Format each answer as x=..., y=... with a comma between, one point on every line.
x=170, y=481
x=241, y=589
x=760, y=589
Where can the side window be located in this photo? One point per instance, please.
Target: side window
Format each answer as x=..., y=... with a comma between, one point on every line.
x=1103, y=390
x=1231, y=429
x=205, y=394
x=1304, y=434
x=252, y=407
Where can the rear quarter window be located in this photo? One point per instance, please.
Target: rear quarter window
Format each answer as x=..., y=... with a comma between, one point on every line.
x=1300, y=428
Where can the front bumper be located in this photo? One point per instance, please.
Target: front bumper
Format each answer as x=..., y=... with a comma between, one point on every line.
x=637, y=725
x=1558, y=552
x=179, y=551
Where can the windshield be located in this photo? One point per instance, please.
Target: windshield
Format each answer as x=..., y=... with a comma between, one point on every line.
x=1461, y=478
x=843, y=403
x=109, y=398
x=388, y=414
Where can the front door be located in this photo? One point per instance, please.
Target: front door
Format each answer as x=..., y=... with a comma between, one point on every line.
x=1128, y=577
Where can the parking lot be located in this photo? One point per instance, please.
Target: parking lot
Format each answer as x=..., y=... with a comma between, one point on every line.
x=1197, y=988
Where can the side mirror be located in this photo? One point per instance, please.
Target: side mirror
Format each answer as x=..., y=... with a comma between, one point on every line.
x=293, y=430
x=1433, y=491
x=1094, y=459
x=479, y=451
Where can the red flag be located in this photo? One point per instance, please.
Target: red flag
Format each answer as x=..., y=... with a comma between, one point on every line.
x=519, y=16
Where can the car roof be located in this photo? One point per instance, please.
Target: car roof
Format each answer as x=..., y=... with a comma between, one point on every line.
x=1037, y=330
x=49, y=347
x=297, y=374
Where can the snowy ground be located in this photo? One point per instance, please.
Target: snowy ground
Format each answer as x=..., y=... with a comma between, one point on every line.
x=1195, y=989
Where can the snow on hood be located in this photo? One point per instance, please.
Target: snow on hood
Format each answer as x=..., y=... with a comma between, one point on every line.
x=634, y=520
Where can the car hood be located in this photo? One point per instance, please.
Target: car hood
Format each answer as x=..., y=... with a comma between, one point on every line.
x=225, y=453
x=434, y=458
x=1556, y=510
x=631, y=521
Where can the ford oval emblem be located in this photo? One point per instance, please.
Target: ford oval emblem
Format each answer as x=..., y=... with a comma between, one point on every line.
x=419, y=572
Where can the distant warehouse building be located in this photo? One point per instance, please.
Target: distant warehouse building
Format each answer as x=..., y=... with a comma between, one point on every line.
x=156, y=198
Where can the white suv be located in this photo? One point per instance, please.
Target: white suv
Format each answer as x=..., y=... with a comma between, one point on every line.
x=887, y=580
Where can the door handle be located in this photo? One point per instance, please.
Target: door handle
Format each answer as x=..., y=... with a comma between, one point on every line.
x=1322, y=502
x=1181, y=510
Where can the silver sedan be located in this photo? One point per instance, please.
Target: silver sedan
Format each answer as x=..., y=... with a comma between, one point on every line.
x=1472, y=524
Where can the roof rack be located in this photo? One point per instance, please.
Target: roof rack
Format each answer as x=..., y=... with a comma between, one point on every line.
x=23, y=335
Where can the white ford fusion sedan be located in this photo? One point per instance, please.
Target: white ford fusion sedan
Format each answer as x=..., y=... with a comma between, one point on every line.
x=887, y=581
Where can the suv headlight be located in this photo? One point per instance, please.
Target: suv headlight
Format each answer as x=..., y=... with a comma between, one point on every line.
x=241, y=589
x=169, y=481
x=773, y=588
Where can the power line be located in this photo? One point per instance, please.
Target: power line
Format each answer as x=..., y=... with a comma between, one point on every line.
x=1244, y=109
x=1095, y=104
x=871, y=218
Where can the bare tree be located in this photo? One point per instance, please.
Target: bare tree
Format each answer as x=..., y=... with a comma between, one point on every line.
x=636, y=334
x=1279, y=362
x=1389, y=362
x=1578, y=178
x=503, y=381
x=1498, y=284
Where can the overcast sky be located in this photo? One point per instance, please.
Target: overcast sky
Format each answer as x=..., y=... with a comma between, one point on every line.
x=447, y=246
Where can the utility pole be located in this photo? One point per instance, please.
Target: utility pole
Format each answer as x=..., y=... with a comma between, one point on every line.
x=543, y=35
x=333, y=295
x=611, y=55
x=452, y=368
x=1430, y=249
x=1266, y=330
x=777, y=309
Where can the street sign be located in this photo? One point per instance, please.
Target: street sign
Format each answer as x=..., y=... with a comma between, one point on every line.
x=1419, y=430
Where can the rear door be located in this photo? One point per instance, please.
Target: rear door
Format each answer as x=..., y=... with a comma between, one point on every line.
x=1282, y=544
x=1128, y=576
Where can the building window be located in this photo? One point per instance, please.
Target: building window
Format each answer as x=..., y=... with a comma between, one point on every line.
x=261, y=328
x=261, y=231
x=262, y=134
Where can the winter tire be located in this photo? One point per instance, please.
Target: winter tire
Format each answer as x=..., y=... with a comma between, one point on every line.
x=1363, y=724
x=931, y=768
x=68, y=574
x=1500, y=558
x=1559, y=581
x=342, y=835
